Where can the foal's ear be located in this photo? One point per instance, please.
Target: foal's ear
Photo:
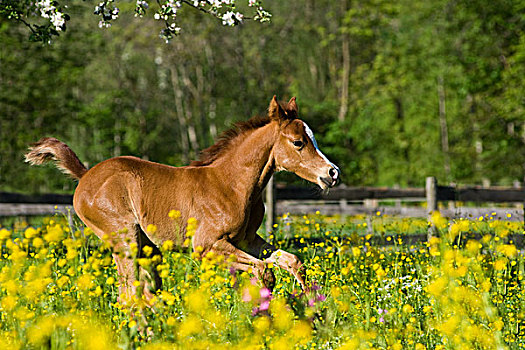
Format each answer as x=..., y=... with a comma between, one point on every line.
x=275, y=111
x=291, y=109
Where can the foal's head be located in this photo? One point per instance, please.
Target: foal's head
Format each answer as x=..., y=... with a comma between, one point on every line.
x=296, y=149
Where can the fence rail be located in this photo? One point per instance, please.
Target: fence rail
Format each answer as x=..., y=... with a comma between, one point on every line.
x=346, y=193
x=281, y=199
x=293, y=199
x=49, y=198
x=442, y=193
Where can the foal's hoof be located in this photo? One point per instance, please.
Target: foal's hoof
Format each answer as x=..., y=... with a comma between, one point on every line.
x=268, y=279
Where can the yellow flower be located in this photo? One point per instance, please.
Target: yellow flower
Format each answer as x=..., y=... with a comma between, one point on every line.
x=41, y=331
x=174, y=214
x=191, y=227
x=170, y=321
x=11, y=286
x=133, y=247
x=439, y=221
x=71, y=254
x=167, y=245
x=261, y=325
x=356, y=251
x=151, y=228
x=54, y=233
x=85, y=281
x=302, y=330
x=407, y=308
x=457, y=227
x=498, y=324
x=191, y=325
x=5, y=234
x=95, y=338
x=30, y=233
x=283, y=343
x=8, y=303
x=437, y=287
x=353, y=344
x=449, y=327
x=486, y=285
x=38, y=242
x=283, y=318
x=144, y=262
x=62, y=281
x=197, y=301
x=508, y=249
x=147, y=250
x=397, y=346
x=473, y=246
x=500, y=264
x=23, y=314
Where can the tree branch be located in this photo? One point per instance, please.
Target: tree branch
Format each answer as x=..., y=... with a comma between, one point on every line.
x=27, y=24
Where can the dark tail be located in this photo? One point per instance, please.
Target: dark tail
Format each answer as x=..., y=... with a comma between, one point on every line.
x=49, y=148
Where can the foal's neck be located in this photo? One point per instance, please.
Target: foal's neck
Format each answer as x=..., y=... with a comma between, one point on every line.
x=249, y=164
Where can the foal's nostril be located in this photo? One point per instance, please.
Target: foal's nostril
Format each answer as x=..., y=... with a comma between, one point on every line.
x=332, y=179
x=334, y=174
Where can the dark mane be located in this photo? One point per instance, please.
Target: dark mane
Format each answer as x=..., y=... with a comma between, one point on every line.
x=210, y=154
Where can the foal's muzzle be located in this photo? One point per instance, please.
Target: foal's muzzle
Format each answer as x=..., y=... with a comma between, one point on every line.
x=333, y=177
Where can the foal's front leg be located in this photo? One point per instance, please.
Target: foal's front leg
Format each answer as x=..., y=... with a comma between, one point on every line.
x=244, y=261
x=258, y=247
x=288, y=261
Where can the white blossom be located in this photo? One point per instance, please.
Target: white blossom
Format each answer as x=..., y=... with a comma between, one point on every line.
x=224, y=10
x=227, y=19
x=49, y=11
x=230, y=18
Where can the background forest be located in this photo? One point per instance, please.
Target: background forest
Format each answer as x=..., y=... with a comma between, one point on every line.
x=395, y=91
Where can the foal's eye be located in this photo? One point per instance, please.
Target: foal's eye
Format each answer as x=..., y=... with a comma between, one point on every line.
x=298, y=143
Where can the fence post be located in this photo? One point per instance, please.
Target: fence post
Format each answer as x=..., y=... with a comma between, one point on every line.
x=397, y=201
x=517, y=184
x=270, y=205
x=432, y=204
x=431, y=194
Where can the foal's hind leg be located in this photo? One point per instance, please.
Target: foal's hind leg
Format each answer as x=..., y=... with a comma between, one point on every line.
x=149, y=277
x=129, y=269
x=121, y=236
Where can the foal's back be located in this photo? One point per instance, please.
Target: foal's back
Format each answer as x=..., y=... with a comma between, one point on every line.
x=121, y=192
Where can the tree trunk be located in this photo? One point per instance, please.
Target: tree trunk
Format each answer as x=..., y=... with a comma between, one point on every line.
x=190, y=122
x=443, y=125
x=345, y=79
x=177, y=91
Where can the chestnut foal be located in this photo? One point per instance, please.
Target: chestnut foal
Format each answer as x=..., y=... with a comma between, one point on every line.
x=121, y=196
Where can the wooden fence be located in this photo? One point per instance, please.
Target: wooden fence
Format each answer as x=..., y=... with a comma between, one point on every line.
x=340, y=200
x=282, y=199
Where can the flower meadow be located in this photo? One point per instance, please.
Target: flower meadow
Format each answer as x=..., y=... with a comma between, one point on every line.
x=462, y=288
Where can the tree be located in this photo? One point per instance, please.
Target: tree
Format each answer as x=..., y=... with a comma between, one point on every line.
x=413, y=68
x=53, y=15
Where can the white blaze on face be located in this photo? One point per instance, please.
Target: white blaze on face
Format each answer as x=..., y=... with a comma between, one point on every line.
x=310, y=134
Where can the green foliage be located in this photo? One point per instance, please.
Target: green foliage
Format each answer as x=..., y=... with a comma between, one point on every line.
x=122, y=91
